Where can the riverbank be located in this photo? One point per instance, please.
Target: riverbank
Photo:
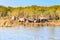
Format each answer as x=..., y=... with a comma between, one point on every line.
x=6, y=22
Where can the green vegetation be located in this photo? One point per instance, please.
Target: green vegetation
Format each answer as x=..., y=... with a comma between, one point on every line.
x=53, y=12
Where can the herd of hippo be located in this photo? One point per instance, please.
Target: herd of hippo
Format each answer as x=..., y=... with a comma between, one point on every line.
x=30, y=20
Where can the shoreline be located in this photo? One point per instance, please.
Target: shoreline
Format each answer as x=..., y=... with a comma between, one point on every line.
x=11, y=23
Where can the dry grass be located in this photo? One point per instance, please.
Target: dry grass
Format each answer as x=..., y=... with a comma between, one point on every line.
x=6, y=22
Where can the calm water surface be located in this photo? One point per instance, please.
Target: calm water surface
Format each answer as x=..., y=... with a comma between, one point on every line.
x=25, y=33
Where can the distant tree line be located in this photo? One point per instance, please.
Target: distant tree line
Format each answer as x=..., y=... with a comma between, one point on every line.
x=52, y=12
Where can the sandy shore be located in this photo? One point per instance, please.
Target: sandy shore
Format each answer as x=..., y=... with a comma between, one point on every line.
x=4, y=22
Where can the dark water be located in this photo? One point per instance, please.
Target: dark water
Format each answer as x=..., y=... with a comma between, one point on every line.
x=25, y=33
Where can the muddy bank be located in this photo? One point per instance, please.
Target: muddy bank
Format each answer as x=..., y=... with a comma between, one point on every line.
x=5, y=22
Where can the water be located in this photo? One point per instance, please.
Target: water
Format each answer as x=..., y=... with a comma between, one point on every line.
x=25, y=33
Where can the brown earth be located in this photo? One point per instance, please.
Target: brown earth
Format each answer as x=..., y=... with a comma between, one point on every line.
x=6, y=22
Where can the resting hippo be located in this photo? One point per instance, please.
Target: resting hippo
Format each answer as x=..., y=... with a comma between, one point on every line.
x=37, y=20
x=44, y=20
x=30, y=20
x=21, y=20
x=13, y=18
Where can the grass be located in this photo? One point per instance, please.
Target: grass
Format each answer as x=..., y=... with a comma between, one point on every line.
x=6, y=22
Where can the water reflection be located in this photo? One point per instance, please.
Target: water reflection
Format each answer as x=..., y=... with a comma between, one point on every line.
x=29, y=32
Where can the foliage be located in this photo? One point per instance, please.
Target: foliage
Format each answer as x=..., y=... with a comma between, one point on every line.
x=52, y=12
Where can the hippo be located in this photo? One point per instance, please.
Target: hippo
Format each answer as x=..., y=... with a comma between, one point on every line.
x=13, y=17
x=30, y=20
x=44, y=20
x=21, y=20
x=37, y=20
